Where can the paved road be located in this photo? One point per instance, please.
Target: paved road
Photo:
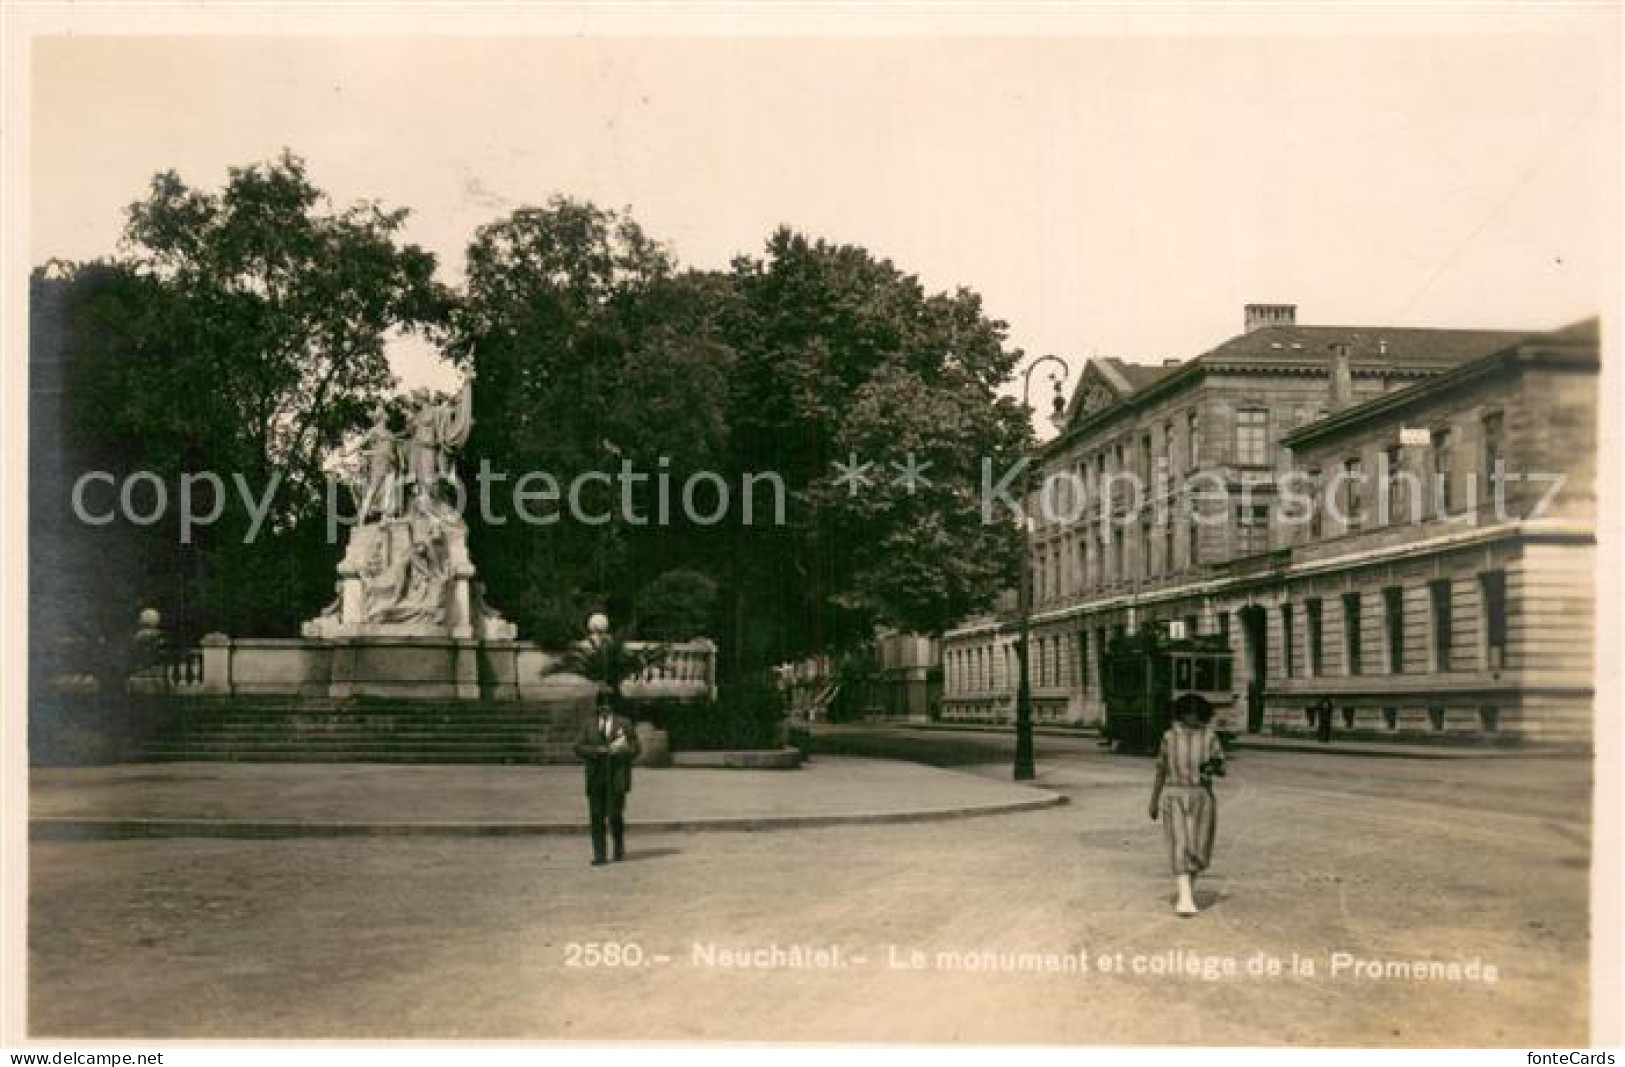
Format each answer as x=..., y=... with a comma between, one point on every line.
x=1555, y=788
x=1443, y=862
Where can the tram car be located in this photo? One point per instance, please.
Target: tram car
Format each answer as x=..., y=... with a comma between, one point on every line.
x=1147, y=671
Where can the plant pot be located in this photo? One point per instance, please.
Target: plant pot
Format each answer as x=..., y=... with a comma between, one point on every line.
x=655, y=745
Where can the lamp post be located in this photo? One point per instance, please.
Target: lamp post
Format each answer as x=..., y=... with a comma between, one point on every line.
x=1024, y=771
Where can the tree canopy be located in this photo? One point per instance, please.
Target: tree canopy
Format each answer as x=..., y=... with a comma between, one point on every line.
x=844, y=358
x=245, y=329
x=240, y=331
x=789, y=363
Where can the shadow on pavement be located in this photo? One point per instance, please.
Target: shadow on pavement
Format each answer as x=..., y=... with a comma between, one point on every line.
x=934, y=751
x=650, y=854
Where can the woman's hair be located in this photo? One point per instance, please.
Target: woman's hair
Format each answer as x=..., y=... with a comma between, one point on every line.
x=1193, y=704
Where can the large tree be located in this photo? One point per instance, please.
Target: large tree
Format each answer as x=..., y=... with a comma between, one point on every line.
x=593, y=351
x=843, y=358
x=242, y=331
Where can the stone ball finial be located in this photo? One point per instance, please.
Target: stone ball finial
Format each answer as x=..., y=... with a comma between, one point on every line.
x=598, y=624
x=149, y=619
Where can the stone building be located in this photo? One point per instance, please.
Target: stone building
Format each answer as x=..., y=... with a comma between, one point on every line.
x=898, y=676
x=1263, y=491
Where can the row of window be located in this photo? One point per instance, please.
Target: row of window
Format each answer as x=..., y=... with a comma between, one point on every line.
x=1397, y=641
x=1092, y=472
x=1252, y=449
x=1406, y=492
x=1486, y=718
x=994, y=667
x=1084, y=563
x=1064, y=659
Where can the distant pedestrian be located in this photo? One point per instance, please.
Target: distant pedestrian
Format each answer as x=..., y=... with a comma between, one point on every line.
x=607, y=743
x=1323, y=720
x=1182, y=797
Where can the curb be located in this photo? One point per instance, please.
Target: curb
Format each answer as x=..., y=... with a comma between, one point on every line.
x=771, y=759
x=1377, y=750
x=73, y=828
x=1267, y=743
x=984, y=728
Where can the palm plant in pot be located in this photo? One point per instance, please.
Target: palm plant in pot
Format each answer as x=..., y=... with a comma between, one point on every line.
x=608, y=659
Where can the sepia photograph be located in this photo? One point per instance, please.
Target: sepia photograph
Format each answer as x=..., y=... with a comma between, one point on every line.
x=928, y=526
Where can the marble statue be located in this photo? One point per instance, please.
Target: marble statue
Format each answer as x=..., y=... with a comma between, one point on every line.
x=379, y=452
x=436, y=429
x=406, y=570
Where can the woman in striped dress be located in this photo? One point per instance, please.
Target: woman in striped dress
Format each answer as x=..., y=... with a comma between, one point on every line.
x=1183, y=794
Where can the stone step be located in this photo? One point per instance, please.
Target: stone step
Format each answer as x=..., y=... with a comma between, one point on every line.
x=381, y=729
x=355, y=756
x=370, y=730
x=159, y=748
x=318, y=734
x=411, y=714
x=230, y=745
x=407, y=708
x=351, y=746
x=375, y=727
x=373, y=720
x=356, y=742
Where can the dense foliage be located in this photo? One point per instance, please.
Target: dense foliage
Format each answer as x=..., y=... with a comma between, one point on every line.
x=240, y=333
x=245, y=331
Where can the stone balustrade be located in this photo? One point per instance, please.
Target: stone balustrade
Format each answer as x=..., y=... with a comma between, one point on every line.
x=406, y=668
x=177, y=673
x=687, y=671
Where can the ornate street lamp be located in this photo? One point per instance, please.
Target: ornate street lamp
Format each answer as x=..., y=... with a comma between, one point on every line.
x=1024, y=771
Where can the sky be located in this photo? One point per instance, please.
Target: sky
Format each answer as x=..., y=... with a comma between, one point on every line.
x=1105, y=195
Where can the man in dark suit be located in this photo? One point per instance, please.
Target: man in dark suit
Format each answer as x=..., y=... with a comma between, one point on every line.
x=608, y=743
x=1323, y=719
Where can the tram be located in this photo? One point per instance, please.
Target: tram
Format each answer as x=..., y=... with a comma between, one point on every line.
x=1145, y=672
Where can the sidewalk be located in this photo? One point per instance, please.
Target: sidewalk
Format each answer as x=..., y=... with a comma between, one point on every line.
x=333, y=800
x=1390, y=749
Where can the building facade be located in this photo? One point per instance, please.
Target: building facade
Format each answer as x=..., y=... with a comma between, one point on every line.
x=1264, y=491
x=897, y=676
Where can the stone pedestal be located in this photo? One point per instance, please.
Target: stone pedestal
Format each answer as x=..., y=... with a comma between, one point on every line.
x=409, y=576
x=405, y=668
x=655, y=746
x=386, y=667
x=459, y=614
x=216, y=649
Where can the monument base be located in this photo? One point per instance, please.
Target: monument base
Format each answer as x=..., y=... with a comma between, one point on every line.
x=393, y=699
x=396, y=668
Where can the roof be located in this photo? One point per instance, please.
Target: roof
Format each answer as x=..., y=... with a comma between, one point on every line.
x=1367, y=344
x=1291, y=349
x=1137, y=375
x=1584, y=332
x=1576, y=346
x=1107, y=381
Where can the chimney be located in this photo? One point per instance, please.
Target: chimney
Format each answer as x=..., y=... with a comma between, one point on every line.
x=1342, y=383
x=1260, y=315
